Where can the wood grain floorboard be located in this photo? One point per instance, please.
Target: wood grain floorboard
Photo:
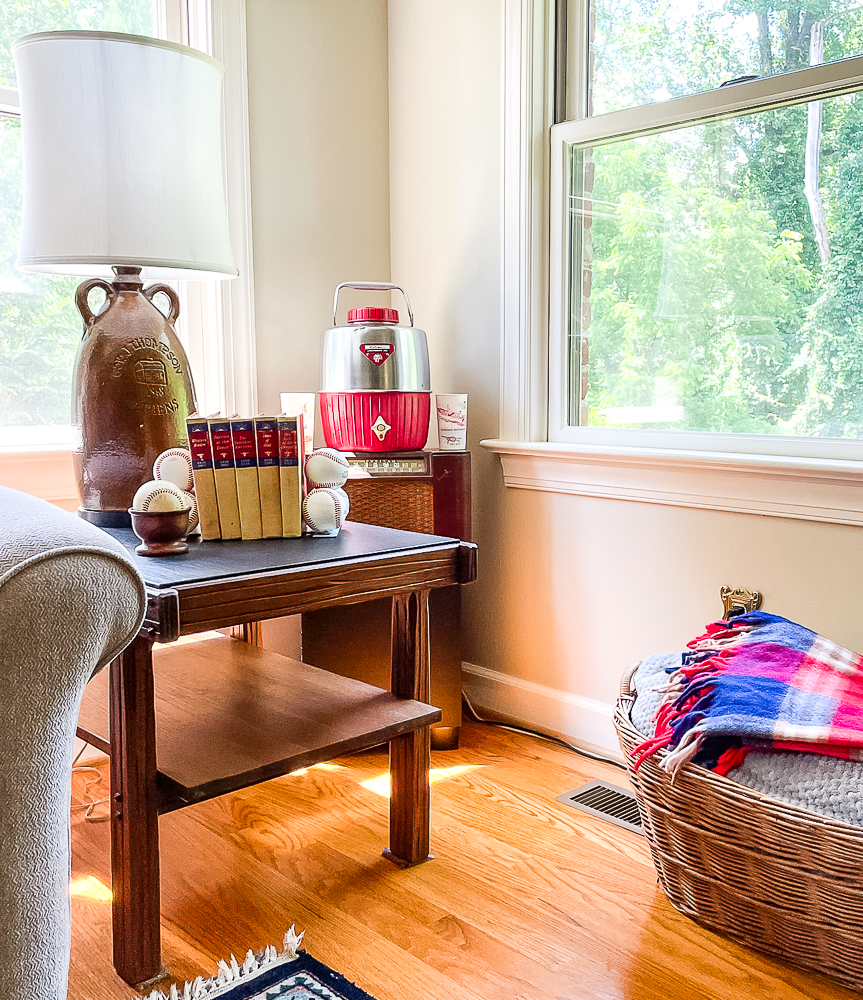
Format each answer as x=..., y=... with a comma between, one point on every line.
x=526, y=899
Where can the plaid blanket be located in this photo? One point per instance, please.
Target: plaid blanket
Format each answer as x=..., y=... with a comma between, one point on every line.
x=758, y=680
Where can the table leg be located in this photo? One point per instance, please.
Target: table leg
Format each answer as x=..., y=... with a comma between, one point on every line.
x=251, y=633
x=409, y=754
x=134, y=817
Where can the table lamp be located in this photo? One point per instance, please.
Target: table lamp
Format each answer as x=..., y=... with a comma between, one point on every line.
x=122, y=152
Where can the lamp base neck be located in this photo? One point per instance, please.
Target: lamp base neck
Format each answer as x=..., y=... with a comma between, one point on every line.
x=127, y=279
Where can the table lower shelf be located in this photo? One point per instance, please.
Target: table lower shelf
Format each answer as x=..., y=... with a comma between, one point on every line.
x=230, y=715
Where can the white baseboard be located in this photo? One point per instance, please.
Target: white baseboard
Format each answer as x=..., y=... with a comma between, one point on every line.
x=583, y=719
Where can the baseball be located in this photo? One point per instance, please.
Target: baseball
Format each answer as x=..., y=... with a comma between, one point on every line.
x=159, y=495
x=323, y=511
x=174, y=466
x=327, y=467
x=345, y=499
x=192, y=502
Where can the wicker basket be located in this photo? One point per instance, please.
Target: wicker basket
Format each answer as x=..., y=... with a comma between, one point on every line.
x=776, y=878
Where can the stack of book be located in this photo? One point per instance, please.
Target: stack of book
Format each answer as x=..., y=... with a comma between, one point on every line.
x=248, y=475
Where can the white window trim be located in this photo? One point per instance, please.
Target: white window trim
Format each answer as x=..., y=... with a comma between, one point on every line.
x=811, y=490
x=528, y=108
x=220, y=320
x=221, y=316
x=798, y=478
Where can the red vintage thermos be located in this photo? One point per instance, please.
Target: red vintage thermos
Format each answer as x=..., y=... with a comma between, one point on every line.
x=375, y=382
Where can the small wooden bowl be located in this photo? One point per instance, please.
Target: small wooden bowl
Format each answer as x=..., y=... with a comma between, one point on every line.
x=162, y=532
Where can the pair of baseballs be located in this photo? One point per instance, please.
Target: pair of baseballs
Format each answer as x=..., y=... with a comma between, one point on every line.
x=326, y=506
x=171, y=486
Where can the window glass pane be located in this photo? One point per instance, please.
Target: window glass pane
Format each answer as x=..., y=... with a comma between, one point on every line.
x=707, y=302
x=39, y=325
x=644, y=51
x=137, y=17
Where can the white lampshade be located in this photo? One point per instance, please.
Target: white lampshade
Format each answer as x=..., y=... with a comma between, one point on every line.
x=122, y=153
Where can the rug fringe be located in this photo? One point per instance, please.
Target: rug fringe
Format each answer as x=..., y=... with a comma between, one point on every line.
x=229, y=973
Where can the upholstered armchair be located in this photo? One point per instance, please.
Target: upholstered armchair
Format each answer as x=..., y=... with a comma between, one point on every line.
x=70, y=601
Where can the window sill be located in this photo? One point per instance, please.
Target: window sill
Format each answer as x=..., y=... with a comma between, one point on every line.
x=810, y=489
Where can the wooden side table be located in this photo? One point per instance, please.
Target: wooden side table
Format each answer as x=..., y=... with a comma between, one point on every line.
x=170, y=739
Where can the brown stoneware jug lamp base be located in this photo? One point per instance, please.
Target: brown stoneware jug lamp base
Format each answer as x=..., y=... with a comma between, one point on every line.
x=132, y=392
x=162, y=532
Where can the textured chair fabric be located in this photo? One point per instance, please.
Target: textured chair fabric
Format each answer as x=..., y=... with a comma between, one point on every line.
x=70, y=601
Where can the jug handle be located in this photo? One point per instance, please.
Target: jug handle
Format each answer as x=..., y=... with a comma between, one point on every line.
x=371, y=286
x=82, y=295
x=174, y=311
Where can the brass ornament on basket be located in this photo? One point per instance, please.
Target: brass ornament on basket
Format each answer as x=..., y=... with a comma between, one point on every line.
x=737, y=600
x=132, y=391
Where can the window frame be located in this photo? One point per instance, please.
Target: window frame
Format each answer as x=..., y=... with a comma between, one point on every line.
x=220, y=315
x=819, y=82
x=804, y=478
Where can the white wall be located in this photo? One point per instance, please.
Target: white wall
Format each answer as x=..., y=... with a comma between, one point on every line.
x=572, y=589
x=318, y=124
x=319, y=164
x=445, y=172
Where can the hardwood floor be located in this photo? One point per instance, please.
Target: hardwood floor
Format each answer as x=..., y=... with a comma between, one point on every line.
x=526, y=898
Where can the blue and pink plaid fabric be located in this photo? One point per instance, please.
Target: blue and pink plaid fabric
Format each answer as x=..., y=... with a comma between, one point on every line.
x=759, y=681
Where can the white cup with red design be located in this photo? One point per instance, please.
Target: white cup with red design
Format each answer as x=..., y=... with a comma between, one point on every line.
x=451, y=420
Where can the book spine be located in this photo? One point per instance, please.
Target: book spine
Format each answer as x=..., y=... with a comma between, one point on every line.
x=246, y=470
x=203, y=475
x=267, y=435
x=291, y=474
x=226, y=479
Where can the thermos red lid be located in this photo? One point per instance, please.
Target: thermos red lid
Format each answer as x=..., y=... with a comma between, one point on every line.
x=373, y=314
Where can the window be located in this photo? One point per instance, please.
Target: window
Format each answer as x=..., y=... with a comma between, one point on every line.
x=706, y=257
x=644, y=52
x=630, y=416
x=40, y=327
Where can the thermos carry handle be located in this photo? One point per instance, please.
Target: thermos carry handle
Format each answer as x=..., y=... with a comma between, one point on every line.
x=371, y=286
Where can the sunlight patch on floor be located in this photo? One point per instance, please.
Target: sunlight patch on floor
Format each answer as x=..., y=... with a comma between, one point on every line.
x=90, y=887
x=328, y=766
x=381, y=784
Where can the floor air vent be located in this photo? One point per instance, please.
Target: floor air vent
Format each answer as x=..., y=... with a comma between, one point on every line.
x=599, y=798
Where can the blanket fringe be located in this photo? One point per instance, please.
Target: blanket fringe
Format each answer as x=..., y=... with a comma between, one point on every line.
x=683, y=753
x=230, y=973
x=711, y=653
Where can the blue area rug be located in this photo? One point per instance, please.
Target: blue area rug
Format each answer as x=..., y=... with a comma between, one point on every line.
x=270, y=975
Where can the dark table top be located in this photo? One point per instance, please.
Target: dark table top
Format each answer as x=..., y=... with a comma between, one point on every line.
x=216, y=560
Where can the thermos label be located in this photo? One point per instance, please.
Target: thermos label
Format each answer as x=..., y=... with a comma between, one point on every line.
x=381, y=428
x=377, y=353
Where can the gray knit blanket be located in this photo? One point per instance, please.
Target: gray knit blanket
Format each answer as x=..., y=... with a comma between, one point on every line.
x=825, y=785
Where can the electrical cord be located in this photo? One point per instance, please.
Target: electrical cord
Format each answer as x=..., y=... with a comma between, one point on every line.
x=91, y=803
x=542, y=736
